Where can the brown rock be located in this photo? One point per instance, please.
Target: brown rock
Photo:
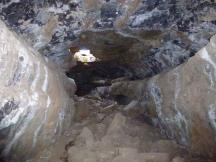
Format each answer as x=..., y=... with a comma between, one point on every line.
x=155, y=157
x=178, y=159
x=117, y=124
x=35, y=108
x=182, y=101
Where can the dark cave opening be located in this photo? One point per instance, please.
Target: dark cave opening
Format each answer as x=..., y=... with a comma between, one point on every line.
x=89, y=76
x=118, y=56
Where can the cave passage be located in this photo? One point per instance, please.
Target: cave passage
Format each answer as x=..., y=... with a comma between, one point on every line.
x=90, y=75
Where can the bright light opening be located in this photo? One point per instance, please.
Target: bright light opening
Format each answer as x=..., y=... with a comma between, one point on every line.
x=85, y=56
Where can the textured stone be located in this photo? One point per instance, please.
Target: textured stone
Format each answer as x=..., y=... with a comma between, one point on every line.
x=155, y=157
x=53, y=26
x=34, y=107
x=178, y=159
x=86, y=137
x=148, y=36
x=117, y=124
x=182, y=101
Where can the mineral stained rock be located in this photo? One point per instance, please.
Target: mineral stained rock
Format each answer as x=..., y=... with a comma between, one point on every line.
x=149, y=36
x=181, y=102
x=34, y=107
x=172, y=30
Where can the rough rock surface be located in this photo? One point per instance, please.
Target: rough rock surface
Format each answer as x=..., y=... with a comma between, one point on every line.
x=34, y=107
x=147, y=36
x=180, y=27
x=181, y=102
x=107, y=135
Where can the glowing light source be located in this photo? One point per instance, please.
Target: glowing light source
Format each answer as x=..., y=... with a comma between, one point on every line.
x=85, y=56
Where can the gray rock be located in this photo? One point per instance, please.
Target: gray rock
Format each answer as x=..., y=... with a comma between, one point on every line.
x=182, y=100
x=186, y=26
x=34, y=106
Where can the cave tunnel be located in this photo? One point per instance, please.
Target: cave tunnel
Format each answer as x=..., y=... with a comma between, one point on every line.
x=107, y=81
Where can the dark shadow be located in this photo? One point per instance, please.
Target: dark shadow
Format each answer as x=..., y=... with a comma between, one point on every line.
x=91, y=75
x=122, y=100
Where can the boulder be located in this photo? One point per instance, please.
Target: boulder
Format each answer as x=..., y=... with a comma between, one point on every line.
x=181, y=102
x=34, y=107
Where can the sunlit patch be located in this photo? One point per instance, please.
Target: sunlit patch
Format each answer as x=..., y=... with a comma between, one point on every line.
x=84, y=55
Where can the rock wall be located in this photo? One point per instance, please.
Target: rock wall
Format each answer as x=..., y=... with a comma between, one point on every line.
x=171, y=30
x=34, y=107
x=181, y=102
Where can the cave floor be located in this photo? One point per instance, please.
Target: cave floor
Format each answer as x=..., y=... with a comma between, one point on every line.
x=107, y=132
x=109, y=129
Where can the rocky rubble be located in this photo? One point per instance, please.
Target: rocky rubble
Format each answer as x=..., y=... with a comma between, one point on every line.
x=112, y=138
